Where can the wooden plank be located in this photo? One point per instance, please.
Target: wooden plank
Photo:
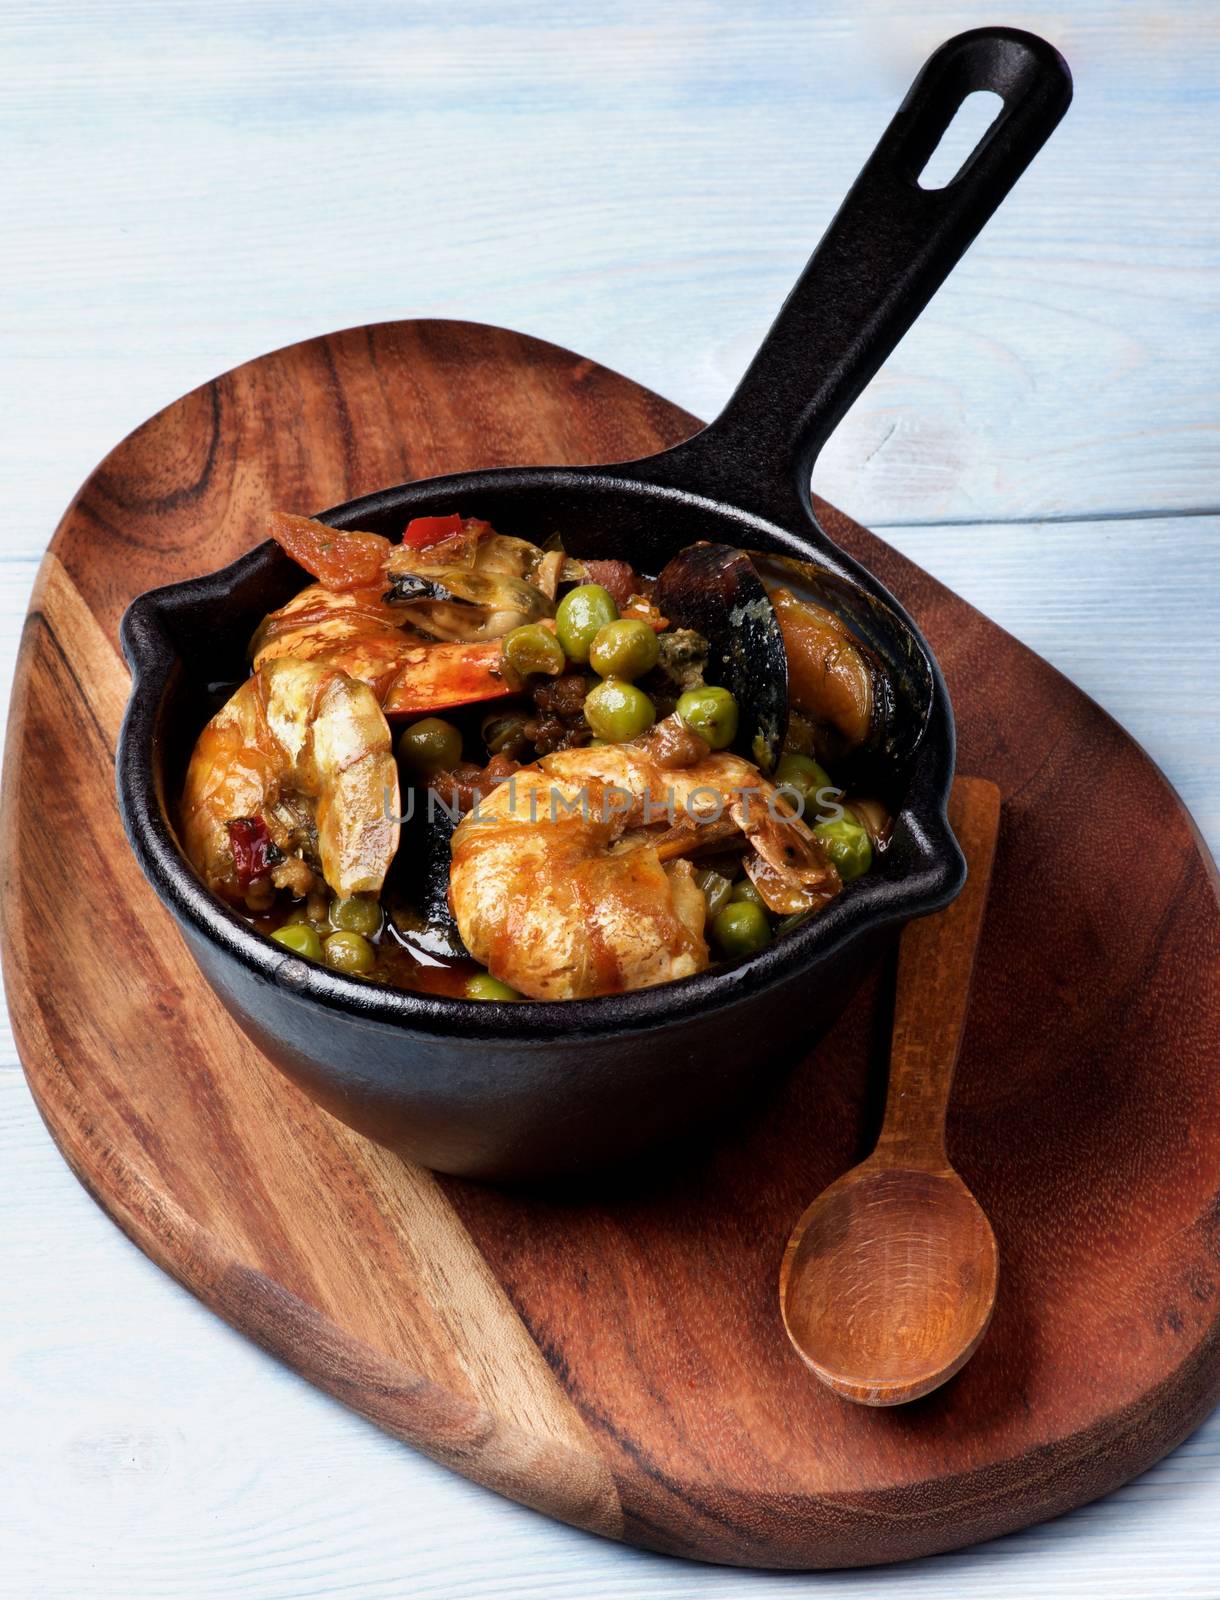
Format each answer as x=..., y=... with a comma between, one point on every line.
x=637, y=184
x=1127, y=609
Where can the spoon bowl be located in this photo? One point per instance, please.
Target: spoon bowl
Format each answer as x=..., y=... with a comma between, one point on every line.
x=889, y=1282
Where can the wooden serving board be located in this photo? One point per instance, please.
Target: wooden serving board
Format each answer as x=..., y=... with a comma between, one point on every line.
x=618, y=1361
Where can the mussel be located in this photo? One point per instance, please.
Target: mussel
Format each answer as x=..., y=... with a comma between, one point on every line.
x=477, y=586
x=815, y=663
x=835, y=682
x=858, y=684
x=419, y=888
x=716, y=590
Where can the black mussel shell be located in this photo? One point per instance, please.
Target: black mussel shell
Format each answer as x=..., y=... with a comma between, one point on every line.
x=406, y=586
x=419, y=899
x=716, y=590
x=898, y=668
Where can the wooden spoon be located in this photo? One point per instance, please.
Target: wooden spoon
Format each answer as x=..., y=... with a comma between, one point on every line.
x=889, y=1279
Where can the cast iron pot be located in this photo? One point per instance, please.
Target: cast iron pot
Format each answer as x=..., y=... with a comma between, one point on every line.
x=537, y=1090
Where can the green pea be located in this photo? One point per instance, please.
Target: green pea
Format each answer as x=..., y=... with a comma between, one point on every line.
x=717, y=889
x=533, y=649
x=300, y=938
x=579, y=617
x=624, y=649
x=711, y=713
x=848, y=846
x=349, y=952
x=617, y=711
x=432, y=745
x=808, y=778
x=359, y=914
x=741, y=929
x=482, y=986
x=745, y=893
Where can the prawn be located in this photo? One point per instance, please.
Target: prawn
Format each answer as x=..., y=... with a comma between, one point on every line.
x=293, y=776
x=421, y=625
x=362, y=636
x=563, y=885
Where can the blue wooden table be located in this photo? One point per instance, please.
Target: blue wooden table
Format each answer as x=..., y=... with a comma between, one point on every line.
x=186, y=186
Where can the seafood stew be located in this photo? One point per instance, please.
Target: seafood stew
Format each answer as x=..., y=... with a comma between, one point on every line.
x=480, y=766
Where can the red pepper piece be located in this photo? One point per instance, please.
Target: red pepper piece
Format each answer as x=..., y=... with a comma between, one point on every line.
x=254, y=850
x=423, y=531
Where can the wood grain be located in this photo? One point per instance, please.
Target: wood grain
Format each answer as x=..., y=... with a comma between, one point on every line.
x=1103, y=1352
x=932, y=990
x=643, y=184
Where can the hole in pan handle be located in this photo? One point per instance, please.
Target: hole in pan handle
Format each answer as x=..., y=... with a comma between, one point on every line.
x=973, y=117
x=889, y=248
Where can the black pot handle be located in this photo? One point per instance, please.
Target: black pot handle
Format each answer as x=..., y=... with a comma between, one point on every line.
x=887, y=251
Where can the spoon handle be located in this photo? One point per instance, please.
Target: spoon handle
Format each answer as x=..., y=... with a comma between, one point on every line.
x=935, y=965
